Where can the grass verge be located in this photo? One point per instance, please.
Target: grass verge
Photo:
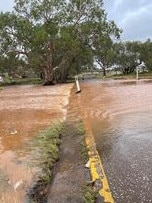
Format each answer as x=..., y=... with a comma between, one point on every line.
x=47, y=143
x=48, y=153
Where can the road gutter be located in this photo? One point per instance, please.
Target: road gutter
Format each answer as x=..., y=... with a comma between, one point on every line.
x=96, y=167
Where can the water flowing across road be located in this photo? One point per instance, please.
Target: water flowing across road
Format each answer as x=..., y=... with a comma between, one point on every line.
x=24, y=111
x=120, y=115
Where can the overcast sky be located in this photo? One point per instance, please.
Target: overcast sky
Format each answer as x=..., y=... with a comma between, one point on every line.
x=133, y=16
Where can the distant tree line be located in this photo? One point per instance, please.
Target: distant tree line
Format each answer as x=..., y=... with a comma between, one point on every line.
x=133, y=53
x=56, y=38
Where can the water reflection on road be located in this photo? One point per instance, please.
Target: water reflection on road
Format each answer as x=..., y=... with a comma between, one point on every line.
x=24, y=111
x=120, y=114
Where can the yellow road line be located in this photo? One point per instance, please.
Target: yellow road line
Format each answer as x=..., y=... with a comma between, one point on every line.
x=96, y=167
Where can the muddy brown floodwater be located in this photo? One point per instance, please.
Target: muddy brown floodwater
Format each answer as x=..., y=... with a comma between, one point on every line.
x=120, y=115
x=24, y=111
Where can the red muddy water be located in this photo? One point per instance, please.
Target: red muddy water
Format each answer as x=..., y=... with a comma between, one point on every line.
x=24, y=111
x=120, y=115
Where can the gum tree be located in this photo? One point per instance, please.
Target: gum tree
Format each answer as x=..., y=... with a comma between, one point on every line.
x=56, y=35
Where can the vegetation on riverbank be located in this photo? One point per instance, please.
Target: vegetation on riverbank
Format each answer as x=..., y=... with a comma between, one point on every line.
x=143, y=75
x=20, y=81
x=114, y=76
x=88, y=75
x=26, y=81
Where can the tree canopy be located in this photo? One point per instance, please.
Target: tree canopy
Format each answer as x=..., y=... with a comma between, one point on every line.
x=57, y=36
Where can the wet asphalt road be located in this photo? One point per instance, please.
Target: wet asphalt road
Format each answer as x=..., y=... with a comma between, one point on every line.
x=120, y=114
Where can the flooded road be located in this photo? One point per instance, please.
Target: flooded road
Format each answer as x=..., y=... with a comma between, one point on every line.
x=24, y=111
x=120, y=115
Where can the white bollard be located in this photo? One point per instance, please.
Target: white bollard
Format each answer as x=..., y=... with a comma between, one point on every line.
x=137, y=74
x=77, y=84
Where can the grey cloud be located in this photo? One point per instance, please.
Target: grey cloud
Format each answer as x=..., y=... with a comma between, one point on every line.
x=138, y=25
x=133, y=16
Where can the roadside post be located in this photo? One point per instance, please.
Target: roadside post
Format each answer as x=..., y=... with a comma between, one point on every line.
x=77, y=84
x=137, y=73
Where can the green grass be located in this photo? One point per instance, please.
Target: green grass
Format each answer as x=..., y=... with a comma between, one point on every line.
x=48, y=142
x=127, y=76
x=22, y=81
x=130, y=76
x=90, y=194
x=81, y=133
x=46, y=154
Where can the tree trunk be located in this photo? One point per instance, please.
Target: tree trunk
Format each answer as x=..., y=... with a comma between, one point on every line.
x=101, y=64
x=47, y=68
x=48, y=74
x=62, y=71
x=48, y=77
x=104, y=71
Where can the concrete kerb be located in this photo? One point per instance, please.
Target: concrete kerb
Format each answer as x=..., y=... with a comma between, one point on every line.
x=96, y=168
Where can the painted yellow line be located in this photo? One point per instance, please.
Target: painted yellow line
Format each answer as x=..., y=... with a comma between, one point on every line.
x=96, y=167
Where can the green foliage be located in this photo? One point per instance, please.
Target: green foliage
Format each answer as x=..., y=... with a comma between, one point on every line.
x=128, y=56
x=145, y=54
x=58, y=33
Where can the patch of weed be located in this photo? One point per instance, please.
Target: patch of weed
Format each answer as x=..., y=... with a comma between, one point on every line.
x=47, y=142
x=84, y=151
x=80, y=128
x=90, y=194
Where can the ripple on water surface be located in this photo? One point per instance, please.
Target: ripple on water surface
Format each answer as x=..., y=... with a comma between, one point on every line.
x=24, y=111
x=120, y=114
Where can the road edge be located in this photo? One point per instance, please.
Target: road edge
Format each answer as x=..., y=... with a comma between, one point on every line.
x=96, y=167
